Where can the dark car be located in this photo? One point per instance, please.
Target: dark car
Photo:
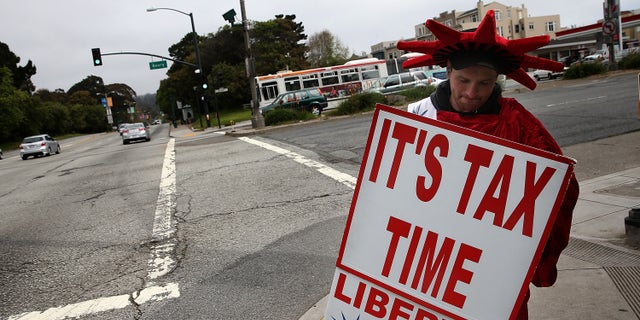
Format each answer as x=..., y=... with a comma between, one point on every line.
x=311, y=100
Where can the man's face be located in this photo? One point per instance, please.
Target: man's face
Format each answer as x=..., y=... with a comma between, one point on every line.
x=471, y=87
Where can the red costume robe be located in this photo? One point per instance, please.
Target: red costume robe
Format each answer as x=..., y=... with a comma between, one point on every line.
x=515, y=123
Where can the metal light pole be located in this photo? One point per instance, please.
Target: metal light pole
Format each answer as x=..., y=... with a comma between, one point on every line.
x=199, y=70
x=257, y=121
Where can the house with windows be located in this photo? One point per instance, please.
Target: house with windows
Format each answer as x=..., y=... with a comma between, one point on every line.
x=511, y=22
x=567, y=44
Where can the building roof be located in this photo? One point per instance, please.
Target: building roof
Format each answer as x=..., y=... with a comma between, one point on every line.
x=627, y=22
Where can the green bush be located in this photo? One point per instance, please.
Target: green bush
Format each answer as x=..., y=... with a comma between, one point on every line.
x=581, y=70
x=360, y=102
x=631, y=61
x=279, y=116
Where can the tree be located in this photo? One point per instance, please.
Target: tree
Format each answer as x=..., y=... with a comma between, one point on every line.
x=92, y=84
x=58, y=96
x=167, y=96
x=326, y=50
x=21, y=76
x=11, y=100
x=277, y=44
x=234, y=79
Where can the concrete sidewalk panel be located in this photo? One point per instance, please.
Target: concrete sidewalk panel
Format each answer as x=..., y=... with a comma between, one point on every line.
x=582, y=293
x=599, y=221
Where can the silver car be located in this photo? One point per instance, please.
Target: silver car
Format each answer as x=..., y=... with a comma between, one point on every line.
x=40, y=145
x=135, y=131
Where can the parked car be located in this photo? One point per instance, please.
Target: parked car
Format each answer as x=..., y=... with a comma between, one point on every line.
x=135, y=131
x=311, y=100
x=403, y=81
x=1, y=155
x=40, y=145
x=546, y=74
x=596, y=57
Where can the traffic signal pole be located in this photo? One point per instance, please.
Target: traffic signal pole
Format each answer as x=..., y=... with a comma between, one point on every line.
x=142, y=54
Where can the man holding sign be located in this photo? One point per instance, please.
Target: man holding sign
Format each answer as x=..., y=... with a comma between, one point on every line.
x=461, y=203
x=471, y=98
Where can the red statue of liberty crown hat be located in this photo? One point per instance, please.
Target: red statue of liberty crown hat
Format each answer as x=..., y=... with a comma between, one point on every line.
x=482, y=47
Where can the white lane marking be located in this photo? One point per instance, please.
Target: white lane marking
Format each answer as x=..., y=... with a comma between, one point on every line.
x=162, y=252
x=576, y=101
x=341, y=177
x=149, y=294
x=160, y=263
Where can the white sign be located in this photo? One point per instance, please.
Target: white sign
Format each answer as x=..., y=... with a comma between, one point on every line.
x=445, y=223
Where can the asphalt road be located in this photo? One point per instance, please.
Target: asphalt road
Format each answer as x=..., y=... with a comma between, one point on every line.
x=75, y=226
x=254, y=226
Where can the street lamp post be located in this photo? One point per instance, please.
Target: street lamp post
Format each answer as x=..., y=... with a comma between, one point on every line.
x=199, y=70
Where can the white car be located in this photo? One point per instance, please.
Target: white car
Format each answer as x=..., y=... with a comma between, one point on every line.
x=40, y=145
x=546, y=74
x=135, y=131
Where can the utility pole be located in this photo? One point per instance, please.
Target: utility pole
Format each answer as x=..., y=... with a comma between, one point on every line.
x=257, y=121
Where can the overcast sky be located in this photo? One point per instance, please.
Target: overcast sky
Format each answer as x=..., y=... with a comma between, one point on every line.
x=58, y=35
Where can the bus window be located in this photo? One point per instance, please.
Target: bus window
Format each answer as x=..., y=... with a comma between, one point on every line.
x=370, y=72
x=349, y=75
x=292, y=83
x=329, y=78
x=310, y=81
x=269, y=90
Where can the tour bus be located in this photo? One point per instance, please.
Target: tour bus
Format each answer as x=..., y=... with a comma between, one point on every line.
x=335, y=82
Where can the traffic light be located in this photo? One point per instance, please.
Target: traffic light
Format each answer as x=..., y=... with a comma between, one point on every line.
x=97, y=56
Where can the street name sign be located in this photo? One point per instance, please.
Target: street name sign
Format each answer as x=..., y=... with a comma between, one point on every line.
x=445, y=222
x=157, y=64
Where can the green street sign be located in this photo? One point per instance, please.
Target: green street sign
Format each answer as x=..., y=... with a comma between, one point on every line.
x=157, y=64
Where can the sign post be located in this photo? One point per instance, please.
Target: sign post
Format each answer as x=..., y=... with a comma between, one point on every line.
x=445, y=223
x=157, y=64
x=611, y=27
